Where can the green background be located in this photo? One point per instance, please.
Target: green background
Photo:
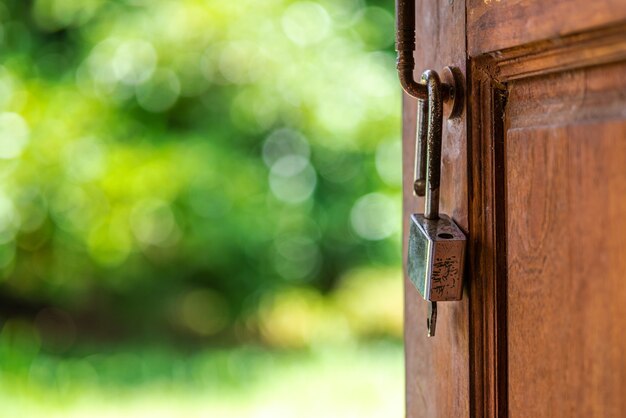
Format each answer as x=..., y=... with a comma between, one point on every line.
x=199, y=208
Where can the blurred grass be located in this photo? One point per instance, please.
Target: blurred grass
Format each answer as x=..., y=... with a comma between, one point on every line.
x=330, y=381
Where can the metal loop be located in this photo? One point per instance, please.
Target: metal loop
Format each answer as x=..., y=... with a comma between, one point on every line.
x=433, y=139
x=427, y=170
x=421, y=135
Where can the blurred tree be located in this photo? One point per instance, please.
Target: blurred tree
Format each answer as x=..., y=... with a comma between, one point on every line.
x=169, y=165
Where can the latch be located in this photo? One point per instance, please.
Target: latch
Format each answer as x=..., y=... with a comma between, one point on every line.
x=436, y=249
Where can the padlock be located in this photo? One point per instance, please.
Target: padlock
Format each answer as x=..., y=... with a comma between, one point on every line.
x=436, y=255
x=436, y=250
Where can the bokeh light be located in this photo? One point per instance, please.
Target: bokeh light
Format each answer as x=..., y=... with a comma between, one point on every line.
x=14, y=133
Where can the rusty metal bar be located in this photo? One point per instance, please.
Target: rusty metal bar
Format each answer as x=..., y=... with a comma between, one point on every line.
x=421, y=135
x=405, y=46
x=433, y=137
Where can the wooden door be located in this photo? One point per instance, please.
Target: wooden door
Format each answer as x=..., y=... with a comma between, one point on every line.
x=535, y=172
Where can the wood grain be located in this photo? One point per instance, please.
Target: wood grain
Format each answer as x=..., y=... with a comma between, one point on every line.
x=542, y=193
x=566, y=245
x=487, y=247
x=595, y=47
x=563, y=83
x=495, y=25
x=437, y=369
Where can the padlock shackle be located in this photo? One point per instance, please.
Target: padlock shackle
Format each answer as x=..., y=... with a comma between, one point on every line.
x=433, y=139
x=419, y=175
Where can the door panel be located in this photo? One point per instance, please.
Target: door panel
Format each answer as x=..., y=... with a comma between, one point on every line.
x=535, y=172
x=500, y=24
x=552, y=162
x=566, y=252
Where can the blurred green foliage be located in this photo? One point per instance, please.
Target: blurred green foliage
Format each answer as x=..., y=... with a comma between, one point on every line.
x=364, y=382
x=199, y=169
x=214, y=176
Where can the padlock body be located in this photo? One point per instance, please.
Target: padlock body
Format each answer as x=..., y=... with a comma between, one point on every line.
x=436, y=255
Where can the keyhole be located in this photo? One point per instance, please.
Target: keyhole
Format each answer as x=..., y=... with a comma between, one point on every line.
x=445, y=235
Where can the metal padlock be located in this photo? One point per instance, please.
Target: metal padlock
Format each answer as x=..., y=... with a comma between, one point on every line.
x=436, y=250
